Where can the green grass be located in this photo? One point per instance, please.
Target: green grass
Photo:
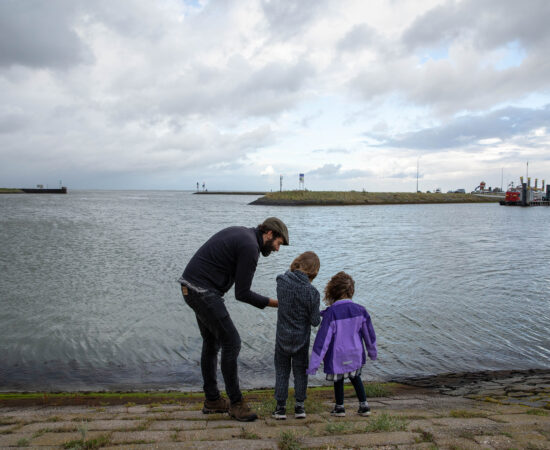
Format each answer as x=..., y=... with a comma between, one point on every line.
x=425, y=436
x=191, y=400
x=377, y=390
x=89, y=444
x=23, y=442
x=464, y=414
x=339, y=427
x=366, y=198
x=385, y=422
x=264, y=406
x=537, y=412
x=244, y=434
x=288, y=441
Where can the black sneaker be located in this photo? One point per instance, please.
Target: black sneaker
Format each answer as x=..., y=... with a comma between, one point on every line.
x=279, y=413
x=338, y=411
x=363, y=410
x=299, y=412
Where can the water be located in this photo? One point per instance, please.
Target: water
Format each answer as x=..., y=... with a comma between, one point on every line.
x=89, y=299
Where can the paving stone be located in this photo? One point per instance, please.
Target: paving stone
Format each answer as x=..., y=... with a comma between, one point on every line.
x=519, y=419
x=120, y=437
x=266, y=432
x=176, y=425
x=407, y=402
x=311, y=418
x=457, y=443
x=61, y=438
x=218, y=434
x=528, y=438
x=9, y=440
x=425, y=424
x=6, y=428
x=494, y=408
x=234, y=423
x=497, y=441
x=198, y=415
x=361, y=440
x=113, y=424
x=37, y=426
x=458, y=423
x=234, y=444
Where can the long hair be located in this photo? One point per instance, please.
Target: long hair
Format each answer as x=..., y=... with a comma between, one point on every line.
x=307, y=262
x=339, y=287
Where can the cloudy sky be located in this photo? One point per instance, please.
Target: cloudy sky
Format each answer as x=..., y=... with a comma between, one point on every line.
x=140, y=94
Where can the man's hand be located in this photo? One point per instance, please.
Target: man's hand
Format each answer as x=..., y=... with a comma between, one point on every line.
x=273, y=302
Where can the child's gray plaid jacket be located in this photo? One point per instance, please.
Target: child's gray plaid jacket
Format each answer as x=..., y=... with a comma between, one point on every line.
x=298, y=311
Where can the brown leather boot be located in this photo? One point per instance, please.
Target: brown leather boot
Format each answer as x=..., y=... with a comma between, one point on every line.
x=242, y=412
x=220, y=405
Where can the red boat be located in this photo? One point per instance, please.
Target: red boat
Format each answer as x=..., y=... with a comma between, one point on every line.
x=525, y=195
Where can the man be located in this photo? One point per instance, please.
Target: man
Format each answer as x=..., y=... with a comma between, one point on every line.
x=230, y=256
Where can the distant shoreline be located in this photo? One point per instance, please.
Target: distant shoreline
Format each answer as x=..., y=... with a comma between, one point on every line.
x=230, y=193
x=348, y=198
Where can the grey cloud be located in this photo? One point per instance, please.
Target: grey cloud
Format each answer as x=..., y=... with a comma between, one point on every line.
x=358, y=38
x=489, y=24
x=470, y=82
x=288, y=18
x=464, y=131
x=40, y=34
x=237, y=90
x=279, y=78
x=452, y=87
x=11, y=122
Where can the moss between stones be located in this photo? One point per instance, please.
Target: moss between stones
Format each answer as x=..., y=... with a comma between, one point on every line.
x=165, y=397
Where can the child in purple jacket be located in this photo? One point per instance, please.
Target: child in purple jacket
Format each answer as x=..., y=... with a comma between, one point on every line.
x=339, y=342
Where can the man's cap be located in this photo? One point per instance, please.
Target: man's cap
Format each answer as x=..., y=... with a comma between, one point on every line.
x=277, y=225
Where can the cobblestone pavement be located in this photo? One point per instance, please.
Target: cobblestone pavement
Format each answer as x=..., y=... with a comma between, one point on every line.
x=418, y=417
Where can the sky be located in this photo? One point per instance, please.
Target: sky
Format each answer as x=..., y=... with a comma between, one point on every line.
x=374, y=95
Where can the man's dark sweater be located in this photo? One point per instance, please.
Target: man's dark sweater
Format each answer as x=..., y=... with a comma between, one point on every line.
x=230, y=256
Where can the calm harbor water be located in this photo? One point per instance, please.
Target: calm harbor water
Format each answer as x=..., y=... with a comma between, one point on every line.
x=89, y=299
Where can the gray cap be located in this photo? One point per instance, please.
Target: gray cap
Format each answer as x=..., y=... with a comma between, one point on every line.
x=277, y=225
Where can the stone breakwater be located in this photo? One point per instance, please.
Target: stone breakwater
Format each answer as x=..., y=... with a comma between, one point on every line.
x=525, y=387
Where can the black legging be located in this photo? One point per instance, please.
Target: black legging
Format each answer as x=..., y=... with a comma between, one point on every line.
x=357, y=384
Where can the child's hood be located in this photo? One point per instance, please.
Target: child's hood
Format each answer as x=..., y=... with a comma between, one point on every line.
x=290, y=277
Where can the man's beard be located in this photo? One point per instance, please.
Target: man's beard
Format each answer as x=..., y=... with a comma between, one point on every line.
x=267, y=247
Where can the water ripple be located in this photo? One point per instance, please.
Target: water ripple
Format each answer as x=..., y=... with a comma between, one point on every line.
x=89, y=299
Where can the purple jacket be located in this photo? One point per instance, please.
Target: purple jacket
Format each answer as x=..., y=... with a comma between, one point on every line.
x=340, y=339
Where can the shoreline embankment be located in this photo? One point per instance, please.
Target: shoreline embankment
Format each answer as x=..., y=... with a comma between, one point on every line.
x=452, y=383
x=349, y=198
x=508, y=410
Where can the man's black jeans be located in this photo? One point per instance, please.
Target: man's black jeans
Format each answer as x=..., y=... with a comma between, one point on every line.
x=217, y=331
